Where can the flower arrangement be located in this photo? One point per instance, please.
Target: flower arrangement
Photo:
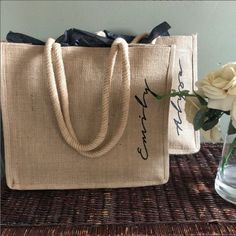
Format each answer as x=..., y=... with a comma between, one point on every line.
x=216, y=96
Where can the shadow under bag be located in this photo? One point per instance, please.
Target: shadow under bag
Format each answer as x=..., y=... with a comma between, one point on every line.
x=78, y=117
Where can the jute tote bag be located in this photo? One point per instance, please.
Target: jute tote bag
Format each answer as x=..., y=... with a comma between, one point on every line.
x=182, y=137
x=78, y=117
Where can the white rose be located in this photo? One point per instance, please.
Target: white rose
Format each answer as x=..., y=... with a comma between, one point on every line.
x=220, y=88
x=220, y=83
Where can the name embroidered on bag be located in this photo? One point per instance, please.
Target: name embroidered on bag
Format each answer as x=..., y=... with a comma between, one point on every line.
x=143, y=152
x=177, y=106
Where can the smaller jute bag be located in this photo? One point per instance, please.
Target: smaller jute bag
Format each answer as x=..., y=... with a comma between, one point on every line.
x=182, y=137
x=78, y=117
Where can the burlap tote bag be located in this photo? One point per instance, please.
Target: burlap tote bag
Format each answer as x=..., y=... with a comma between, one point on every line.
x=78, y=117
x=182, y=137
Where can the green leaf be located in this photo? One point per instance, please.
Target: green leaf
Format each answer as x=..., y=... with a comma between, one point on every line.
x=227, y=112
x=214, y=113
x=231, y=129
x=212, y=118
x=201, y=99
x=199, y=118
x=209, y=124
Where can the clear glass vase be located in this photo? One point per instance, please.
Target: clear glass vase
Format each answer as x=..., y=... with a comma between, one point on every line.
x=225, y=182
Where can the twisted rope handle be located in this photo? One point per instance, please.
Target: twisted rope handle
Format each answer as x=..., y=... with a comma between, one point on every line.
x=58, y=93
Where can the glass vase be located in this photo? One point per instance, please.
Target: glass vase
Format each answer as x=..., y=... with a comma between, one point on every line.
x=225, y=182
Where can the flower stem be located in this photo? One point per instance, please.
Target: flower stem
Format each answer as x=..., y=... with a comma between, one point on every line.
x=228, y=155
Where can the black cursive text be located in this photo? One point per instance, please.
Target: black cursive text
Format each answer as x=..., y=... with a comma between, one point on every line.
x=177, y=106
x=143, y=152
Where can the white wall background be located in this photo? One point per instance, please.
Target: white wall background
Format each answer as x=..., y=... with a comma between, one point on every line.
x=214, y=21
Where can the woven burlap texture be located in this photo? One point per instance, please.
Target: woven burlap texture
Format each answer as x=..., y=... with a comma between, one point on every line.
x=37, y=156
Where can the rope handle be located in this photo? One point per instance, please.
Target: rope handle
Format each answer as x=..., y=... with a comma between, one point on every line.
x=58, y=93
